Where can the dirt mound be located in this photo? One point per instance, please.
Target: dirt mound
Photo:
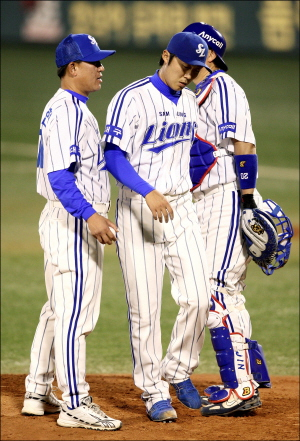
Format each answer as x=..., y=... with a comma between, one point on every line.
x=277, y=419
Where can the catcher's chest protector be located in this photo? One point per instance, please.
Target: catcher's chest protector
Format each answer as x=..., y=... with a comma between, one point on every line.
x=204, y=155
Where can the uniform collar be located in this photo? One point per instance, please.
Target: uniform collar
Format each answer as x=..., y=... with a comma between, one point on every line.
x=78, y=95
x=169, y=93
x=208, y=78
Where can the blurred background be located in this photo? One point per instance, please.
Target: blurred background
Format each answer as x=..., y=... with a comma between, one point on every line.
x=263, y=57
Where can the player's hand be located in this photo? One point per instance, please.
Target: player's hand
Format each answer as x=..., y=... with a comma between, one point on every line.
x=102, y=229
x=159, y=206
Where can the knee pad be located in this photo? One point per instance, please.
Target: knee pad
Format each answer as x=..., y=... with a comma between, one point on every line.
x=221, y=309
x=214, y=320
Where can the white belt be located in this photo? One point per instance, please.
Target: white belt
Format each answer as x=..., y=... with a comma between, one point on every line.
x=198, y=194
x=100, y=207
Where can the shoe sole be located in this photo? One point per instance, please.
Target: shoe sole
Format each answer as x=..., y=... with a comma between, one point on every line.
x=167, y=420
x=74, y=424
x=27, y=410
x=247, y=406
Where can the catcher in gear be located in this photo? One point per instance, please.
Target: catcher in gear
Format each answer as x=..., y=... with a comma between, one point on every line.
x=235, y=225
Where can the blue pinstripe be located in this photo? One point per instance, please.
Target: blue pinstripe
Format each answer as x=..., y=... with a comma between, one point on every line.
x=79, y=114
x=78, y=288
x=78, y=292
x=226, y=98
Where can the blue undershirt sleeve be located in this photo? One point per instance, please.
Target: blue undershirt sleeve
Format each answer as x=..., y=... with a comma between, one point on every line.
x=122, y=170
x=63, y=185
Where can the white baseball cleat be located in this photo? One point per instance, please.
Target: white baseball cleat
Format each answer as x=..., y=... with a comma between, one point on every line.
x=35, y=404
x=88, y=416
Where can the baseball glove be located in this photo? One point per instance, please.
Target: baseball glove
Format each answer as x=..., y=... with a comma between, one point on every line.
x=260, y=234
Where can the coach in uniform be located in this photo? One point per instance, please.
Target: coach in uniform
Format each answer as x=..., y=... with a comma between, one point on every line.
x=149, y=130
x=73, y=230
x=223, y=172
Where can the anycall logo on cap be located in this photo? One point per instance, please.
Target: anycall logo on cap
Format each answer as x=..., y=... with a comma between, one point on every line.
x=209, y=38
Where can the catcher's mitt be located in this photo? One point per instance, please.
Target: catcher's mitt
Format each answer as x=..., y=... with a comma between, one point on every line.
x=261, y=236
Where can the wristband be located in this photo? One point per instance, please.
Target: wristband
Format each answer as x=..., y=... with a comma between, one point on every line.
x=248, y=201
x=246, y=169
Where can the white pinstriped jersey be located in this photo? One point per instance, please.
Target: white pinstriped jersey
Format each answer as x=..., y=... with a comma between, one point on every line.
x=224, y=115
x=155, y=133
x=69, y=133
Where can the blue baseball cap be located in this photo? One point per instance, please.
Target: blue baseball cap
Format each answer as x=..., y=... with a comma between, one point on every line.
x=79, y=47
x=214, y=39
x=190, y=48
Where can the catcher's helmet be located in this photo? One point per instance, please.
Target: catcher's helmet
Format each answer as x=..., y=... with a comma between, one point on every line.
x=215, y=40
x=285, y=234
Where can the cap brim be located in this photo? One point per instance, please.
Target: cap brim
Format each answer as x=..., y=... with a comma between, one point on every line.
x=195, y=63
x=96, y=56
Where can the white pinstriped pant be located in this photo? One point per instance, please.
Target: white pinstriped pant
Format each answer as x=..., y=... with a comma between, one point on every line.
x=145, y=247
x=219, y=215
x=73, y=261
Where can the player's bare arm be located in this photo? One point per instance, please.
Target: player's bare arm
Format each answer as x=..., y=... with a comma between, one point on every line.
x=159, y=206
x=100, y=227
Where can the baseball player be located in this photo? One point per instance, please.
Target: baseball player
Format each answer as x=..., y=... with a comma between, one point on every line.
x=73, y=230
x=149, y=129
x=223, y=172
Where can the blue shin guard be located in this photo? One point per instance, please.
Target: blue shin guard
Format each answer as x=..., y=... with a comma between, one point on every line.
x=220, y=338
x=233, y=359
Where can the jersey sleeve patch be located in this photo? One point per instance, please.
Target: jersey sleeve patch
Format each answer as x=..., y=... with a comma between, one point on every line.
x=75, y=153
x=113, y=131
x=227, y=127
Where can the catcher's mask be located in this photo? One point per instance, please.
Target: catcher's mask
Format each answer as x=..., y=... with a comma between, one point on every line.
x=285, y=233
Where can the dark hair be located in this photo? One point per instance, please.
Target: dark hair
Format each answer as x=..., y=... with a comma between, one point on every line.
x=61, y=71
x=161, y=61
x=218, y=63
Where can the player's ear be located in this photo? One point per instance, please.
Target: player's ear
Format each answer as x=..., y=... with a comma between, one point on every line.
x=72, y=69
x=165, y=56
x=211, y=56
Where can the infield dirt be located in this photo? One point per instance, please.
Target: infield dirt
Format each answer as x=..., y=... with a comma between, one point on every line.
x=277, y=419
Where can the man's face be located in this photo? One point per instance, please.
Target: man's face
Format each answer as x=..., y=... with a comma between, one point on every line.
x=88, y=76
x=177, y=74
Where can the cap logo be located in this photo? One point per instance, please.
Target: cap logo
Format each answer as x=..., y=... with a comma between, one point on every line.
x=201, y=50
x=93, y=41
x=209, y=38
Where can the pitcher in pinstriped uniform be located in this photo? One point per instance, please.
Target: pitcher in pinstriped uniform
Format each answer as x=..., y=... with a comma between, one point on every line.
x=149, y=130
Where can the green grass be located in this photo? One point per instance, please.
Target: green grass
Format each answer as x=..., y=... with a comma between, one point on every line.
x=27, y=81
x=272, y=302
